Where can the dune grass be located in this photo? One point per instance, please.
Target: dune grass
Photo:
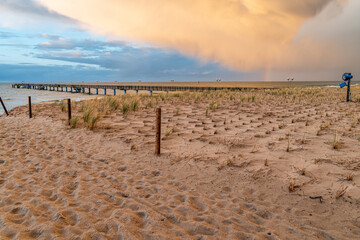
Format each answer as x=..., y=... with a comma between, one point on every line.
x=94, y=110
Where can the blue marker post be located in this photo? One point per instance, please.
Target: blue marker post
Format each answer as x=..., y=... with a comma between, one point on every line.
x=104, y=91
x=114, y=92
x=346, y=77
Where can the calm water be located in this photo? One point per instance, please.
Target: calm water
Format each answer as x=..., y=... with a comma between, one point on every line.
x=14, y=97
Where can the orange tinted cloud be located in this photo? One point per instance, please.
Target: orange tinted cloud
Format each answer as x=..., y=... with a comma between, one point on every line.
x=240, y=34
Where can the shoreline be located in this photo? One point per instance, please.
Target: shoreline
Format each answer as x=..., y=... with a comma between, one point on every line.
x=18, y=97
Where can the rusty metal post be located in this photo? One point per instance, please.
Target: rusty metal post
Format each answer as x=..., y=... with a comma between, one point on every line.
x=30, y=110
x=69, y=109
x=3, y=105
x=158, y=131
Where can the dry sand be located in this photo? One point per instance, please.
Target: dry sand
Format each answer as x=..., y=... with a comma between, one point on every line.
x=262, y=168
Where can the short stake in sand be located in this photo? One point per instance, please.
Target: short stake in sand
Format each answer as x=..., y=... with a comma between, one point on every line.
x=3, y=105
x=158, y=131
x=30, y=110
x=69, y=109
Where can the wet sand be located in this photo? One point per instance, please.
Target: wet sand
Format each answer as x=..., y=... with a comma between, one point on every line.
x=234, y=165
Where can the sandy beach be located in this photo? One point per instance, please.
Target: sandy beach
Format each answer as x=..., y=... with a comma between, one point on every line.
x=264, y=164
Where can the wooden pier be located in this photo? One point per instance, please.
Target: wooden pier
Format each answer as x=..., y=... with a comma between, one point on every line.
x=86, y=87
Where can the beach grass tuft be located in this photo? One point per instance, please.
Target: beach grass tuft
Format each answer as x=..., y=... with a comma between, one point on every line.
x=74, y=122
x=341, y=192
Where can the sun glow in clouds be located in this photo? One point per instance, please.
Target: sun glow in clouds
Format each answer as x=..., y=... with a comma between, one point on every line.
x=241, y=34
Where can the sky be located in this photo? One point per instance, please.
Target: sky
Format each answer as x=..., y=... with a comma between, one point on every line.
x=184, y=40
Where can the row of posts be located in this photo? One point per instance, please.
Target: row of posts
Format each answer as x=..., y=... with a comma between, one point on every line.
x=158, y=121
x=78, y=89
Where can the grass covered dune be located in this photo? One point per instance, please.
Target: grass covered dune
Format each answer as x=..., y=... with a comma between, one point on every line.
x=256, y=164
x=89, y=112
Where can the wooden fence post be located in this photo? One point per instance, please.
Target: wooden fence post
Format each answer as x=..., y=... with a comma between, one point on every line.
x=3, y=105
x=30, y=110
x=69, y=109
x=158, y=131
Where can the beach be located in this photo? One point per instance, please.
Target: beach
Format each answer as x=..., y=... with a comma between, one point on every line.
x=252, y=164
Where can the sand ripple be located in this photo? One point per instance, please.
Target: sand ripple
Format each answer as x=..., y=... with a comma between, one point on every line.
x=210, y=182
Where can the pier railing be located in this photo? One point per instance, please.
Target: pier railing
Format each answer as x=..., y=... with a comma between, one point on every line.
x=81, y=87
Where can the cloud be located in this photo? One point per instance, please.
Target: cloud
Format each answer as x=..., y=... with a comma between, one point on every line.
x=64, y=55
x=81, y=72
x=134, y=62
x=129, y=59
x=124, y=60
x=51, y=37
x=4, y=35
x=33, y=8
x=58, y=73
x=16, y=45
x=61, y=43
x=86, y=44
x=244, y=35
